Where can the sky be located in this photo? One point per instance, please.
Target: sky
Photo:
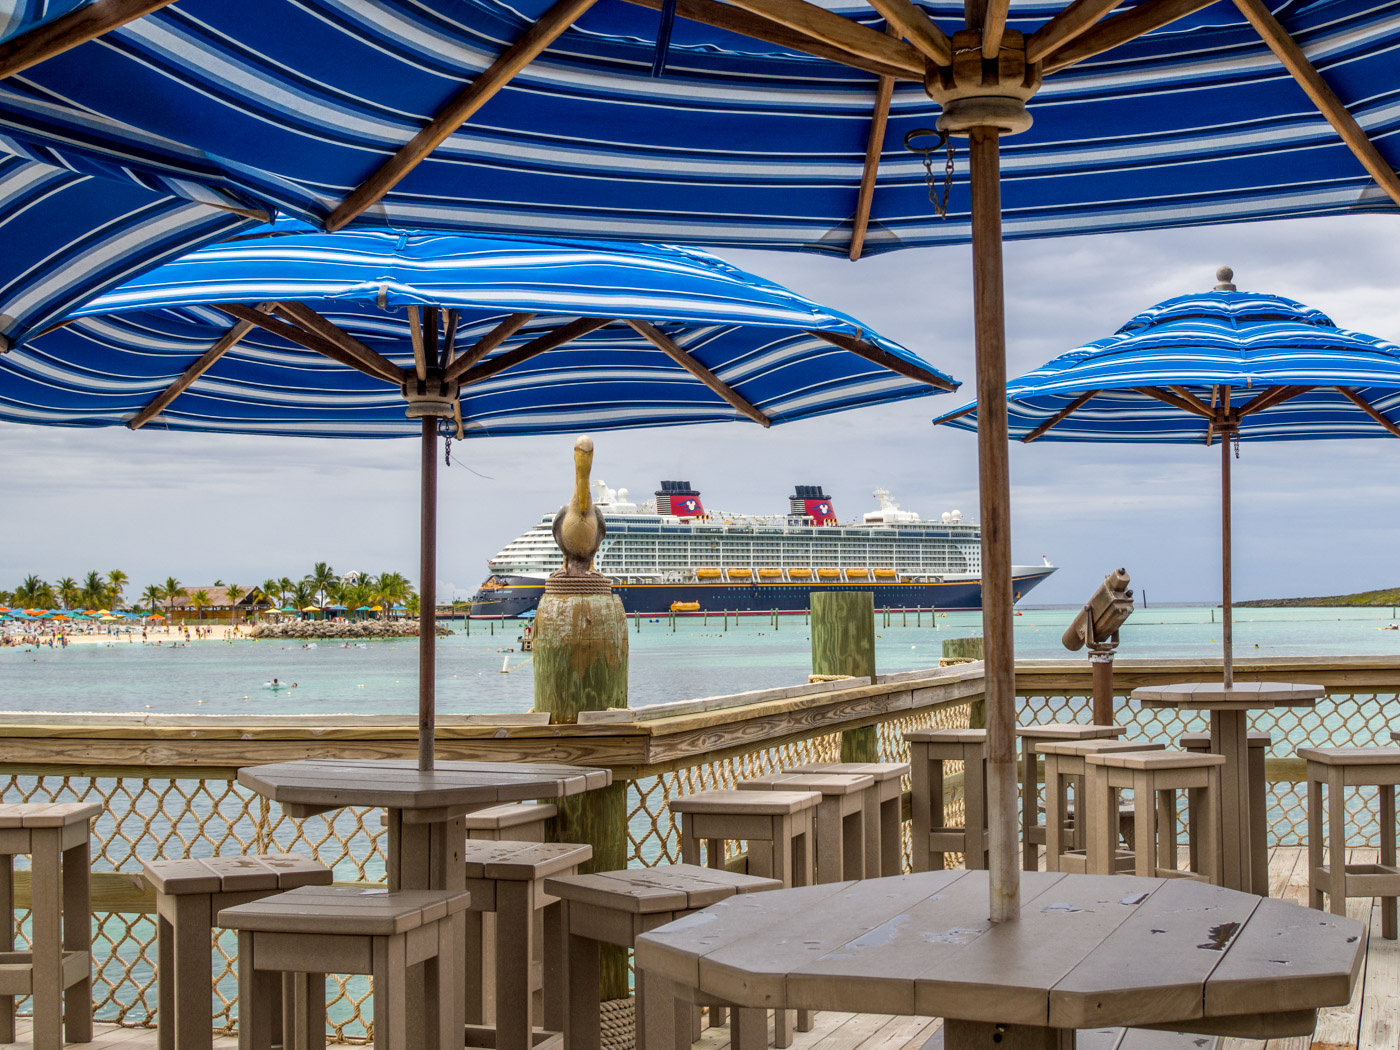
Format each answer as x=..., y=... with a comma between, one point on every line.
x=1310, y=518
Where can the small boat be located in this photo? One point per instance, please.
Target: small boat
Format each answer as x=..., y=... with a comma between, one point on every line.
x=800, y=574
x=770, y=574
x=885, y=574
x=857, y=574
x=740, y=574
x=829, y=574
x=707, y=574
x=685, y=606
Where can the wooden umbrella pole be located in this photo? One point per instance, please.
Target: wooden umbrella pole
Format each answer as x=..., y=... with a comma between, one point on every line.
x=1226, y=597
x=427, y=597
x=994, y=480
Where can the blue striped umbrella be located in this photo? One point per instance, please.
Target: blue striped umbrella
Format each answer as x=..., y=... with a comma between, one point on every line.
x=326, y=335
x=741, y=141
x=1222, y=366
x=655, y=332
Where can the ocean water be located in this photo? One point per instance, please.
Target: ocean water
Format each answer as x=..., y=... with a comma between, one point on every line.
x=696, y=659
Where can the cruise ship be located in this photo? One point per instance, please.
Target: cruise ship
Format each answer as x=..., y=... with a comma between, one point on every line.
x=671, y=555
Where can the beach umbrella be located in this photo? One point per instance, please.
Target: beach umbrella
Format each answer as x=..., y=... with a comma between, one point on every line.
x=375, y=334
x=1222, y=367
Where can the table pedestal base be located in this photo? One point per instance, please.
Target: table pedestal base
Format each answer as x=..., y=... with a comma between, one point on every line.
x=983, y=1035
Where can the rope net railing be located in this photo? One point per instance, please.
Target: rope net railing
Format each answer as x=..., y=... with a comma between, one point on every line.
x=158, y=818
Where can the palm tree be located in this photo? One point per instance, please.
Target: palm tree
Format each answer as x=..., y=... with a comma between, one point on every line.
x=303, y=595
x=68, y=592
x=170, y=591
x=152, y=596
x=94, y=594
x=116, y=583
x=393, y=588
x=234, y=592
x=270, y=589
x=285, y=586
x=201, y=601
x=321, y=577
x=34, y=593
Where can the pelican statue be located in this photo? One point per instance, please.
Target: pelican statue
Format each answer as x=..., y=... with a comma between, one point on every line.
x=579, y=527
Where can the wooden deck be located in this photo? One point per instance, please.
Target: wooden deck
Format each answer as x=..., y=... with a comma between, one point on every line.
x=1371, y=1021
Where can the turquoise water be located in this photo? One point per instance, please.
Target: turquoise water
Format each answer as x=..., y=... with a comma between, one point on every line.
x=697, y=659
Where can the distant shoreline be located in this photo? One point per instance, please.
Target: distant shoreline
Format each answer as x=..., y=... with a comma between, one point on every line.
x=1362, y=599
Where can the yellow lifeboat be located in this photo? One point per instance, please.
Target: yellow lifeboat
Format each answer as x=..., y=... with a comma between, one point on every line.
x=885, y=574
x=740, y=574
x=800, y=574
x=707, y=574
x=829, y=574
x=857, y=574
x=770, y=574
x=685, y=606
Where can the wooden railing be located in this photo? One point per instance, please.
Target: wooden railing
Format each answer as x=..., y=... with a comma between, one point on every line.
x=169, y=789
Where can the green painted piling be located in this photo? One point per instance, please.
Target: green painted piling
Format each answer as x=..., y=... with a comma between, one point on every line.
x=843, y=642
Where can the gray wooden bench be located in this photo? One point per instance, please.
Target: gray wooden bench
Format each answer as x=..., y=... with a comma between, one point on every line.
x=1066, y=840
x=1259, y=744
x=929, y=751
x=616, y=907
x=777, y=826
x=884, y=829
x=315, y=930
x=57, y=970
x=1032, y=830
x=189, y=895
x=847, y=800
x=1339, y=768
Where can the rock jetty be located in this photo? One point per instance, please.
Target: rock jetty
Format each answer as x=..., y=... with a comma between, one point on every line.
x=363, y=629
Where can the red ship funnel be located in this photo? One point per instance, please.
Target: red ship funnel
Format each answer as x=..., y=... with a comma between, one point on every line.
x=812, y=503
x=679, y=498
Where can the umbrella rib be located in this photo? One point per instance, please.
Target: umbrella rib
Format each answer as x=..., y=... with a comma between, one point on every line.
x=1175, y=402
x=415, y=334
x=759, y=27
x=1200, y=406
x=918, y=28
x=549, y=341
x=309, y=319
x=293, y=334
x=1072, y=21
x=676, y=353
x=837, y=31
x=1286, y=49
x=68, y=31
x=1370, y=409
x=1112, y=32
x=449, y=339
x=883, y=358
x=994, y=27
x=1059, y=416
x=161, y=402
x=874, y=146
x=432, y=322
x=956, y=415
x=486, y=344
x=471, y=98
x=1277, y=396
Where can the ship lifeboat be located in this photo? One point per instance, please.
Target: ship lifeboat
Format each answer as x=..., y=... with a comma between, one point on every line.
x=685, y=606
x=885, y=574
x=857, y=574
x=800, y=574
x=829, y=574
x=740, y=574
x=707, y=574
x=770, y=574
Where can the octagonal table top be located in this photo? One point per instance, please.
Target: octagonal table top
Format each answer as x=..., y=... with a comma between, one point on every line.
x=1242, y=696
x=1089, y=951
x=311, y=786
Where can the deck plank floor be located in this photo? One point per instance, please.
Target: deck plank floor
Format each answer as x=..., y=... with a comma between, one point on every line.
x=1371, y=1021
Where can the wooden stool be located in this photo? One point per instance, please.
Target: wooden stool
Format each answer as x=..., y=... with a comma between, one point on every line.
x=189, y=894
x=1154, y=778
x=315, y=930
x=514, y=821
x=778, y=826
x=1340, y=768
x=57, y=971
x=1032, y=831
x=1259, y=744
x=928, y=750
x=1066, y=840
x=507, y=879
x=884, y=829
x=847, y=800
x=616, y=907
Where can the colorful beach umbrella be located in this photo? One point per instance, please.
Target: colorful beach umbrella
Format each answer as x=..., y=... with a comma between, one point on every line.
x=1223, y=367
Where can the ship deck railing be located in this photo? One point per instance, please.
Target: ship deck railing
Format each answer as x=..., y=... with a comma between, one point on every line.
x=169, y=789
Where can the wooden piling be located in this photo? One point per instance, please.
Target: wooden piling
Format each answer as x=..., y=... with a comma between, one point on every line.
x=843, y=642
x=581, y=665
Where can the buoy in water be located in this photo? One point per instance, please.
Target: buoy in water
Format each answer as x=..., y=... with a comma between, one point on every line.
x=505, y=665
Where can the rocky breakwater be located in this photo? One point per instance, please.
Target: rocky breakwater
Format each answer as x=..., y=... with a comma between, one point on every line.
x=361, y=629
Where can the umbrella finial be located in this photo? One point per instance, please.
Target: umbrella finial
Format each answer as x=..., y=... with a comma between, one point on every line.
x=1225, y=276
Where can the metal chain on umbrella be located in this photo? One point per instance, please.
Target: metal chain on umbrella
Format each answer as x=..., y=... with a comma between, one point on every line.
x=939, y=202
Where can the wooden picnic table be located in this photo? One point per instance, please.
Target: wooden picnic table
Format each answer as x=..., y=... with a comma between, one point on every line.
x=1089, y=952
x=1229, y=709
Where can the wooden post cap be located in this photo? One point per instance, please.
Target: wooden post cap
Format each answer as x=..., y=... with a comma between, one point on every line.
x=979, y=93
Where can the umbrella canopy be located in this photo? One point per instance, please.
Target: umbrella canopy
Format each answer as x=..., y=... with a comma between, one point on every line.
x=649, y=335
x=1220, y=366
x=199, y=96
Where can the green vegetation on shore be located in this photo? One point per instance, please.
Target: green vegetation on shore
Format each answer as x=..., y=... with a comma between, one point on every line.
x=1385, y=597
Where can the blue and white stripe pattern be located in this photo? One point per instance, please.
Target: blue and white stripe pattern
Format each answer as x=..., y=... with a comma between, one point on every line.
x=129, y=345
x=68, y=237
x=1247, y=342
x=288, y=105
